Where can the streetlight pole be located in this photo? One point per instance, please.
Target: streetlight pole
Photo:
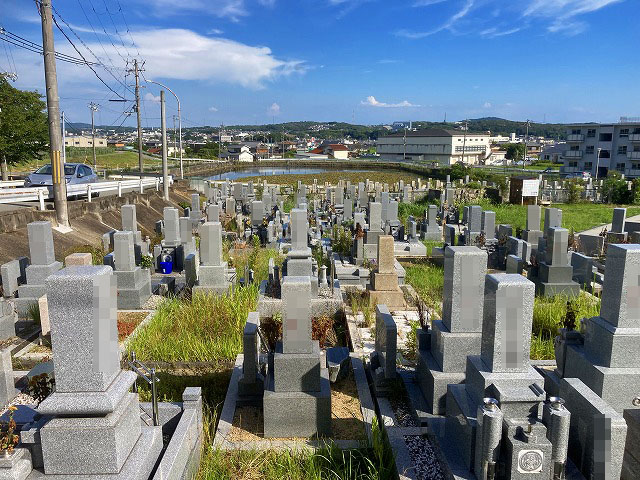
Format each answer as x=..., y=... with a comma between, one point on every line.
x=165, y=167
x=53, y=111
x=598, y=163
x=526, y=137
x=94, y=108
x=179, y=122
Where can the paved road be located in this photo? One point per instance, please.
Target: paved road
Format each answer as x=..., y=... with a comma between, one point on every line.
x=597, y=230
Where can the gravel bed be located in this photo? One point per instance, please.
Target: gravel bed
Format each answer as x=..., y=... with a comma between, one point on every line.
x=402, y=413
x=424, y=458
x=21, y=399
x=153, y=302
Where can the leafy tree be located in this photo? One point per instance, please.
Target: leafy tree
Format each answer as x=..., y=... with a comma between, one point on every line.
x=24, y=133
x=515, y=151
x=458, y=170
x=574, y=190
x=615, y=190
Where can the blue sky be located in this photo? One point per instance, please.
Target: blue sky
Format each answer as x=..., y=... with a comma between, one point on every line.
x=375, y=61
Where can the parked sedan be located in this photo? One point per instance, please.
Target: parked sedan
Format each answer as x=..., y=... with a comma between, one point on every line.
x=74, y=173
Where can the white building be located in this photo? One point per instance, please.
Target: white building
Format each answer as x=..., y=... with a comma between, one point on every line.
x=435, y=145
x=84, y=141
x=603, y=147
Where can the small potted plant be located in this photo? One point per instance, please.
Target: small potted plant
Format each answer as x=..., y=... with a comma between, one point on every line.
x=8, y=439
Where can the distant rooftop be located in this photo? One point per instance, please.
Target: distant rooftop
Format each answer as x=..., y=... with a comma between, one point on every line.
x=434, y=132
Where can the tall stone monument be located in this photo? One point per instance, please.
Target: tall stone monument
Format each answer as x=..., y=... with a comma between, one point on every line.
x=43, y=264
x=297, y=397
x=384, y=279
x=134, y=283
x=96, y=430
x=212, y=274
x=459, y=332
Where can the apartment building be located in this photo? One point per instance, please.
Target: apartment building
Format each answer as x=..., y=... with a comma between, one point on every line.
x=435, y=145
x=603, y=147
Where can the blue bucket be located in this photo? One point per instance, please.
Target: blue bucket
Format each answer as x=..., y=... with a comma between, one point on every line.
x=166, y=267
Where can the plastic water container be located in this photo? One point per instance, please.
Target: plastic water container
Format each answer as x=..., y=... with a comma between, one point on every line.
x=166, y=265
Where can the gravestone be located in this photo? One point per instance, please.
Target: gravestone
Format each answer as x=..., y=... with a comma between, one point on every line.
x=384, y=279
x=348, y=208
x=552, y=219
x=532, y=233
x=458, y=334
x=251, y=383
x=213, y=212
x=195, y=213
x=299, y=262
x=171, y=227
x=617, y=233
x=8, y=318
x=432, y=232
x=375, y=223
x=555, y=275
x=488, y=225
x=78, y=260
x=230, y=206
x=134, y=283
x=502, y=372
x=10, y=272
x=383, y=358
x=95, y=427
x=297, y=397
x=257, y=214
x=212, y=273
x=474, y=224
x=43, y=264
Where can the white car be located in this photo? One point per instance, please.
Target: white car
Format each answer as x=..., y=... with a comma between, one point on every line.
x=580, y=175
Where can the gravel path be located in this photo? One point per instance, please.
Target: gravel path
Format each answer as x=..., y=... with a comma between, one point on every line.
x=424, y=458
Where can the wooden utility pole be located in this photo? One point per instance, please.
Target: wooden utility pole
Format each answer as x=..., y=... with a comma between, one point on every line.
x=94, y=108
x=165, y=168
x=53, y=110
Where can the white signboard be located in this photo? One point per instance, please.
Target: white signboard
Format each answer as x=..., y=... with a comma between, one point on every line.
x=530, y=188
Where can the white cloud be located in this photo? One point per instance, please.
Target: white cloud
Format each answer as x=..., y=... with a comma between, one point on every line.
x=150, y=97
x=487, y=105
x=387, y=61
x=274, y=109
x=371, y=101
x=213, y=109
x=426, y=3
x=215, y=31
x=232, y=9
x=267, y=3
x=451, y=21
x=190, y=56
x=507, y=18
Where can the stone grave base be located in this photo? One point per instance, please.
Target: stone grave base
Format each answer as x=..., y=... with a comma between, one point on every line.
x=433, y=382
x=135, y=295
x=210, y=290
x=551, y=289
x=350, y=413
x=393, y=299
x=297, y=414
x=409, y=249
x=138, y=465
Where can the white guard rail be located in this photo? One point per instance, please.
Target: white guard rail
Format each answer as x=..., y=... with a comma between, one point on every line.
x=40, y=194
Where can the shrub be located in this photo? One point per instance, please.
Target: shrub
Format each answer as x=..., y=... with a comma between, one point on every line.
x=615, y=190
x=574, y=191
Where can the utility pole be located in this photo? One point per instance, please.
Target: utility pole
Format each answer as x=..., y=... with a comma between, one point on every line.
x=64, y=140
x=94, y=108
x=165, y=168
x=404, y=142
x=53, y=110
x=174, y=137
x=136, y=71
x=526, y=137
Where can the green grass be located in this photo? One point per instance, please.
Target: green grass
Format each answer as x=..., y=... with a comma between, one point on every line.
x=204, y=328
x=375, y=463
x=579, y=216
x=548, y=316
x=256, y=258
x=428, y=281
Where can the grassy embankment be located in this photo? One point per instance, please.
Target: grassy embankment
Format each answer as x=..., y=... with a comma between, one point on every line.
x=332, y=177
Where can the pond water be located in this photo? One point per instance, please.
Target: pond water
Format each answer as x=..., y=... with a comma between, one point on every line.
x=264, y=171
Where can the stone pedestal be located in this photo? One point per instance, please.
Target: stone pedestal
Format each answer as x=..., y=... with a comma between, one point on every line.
x=212, y=273
x=134, y=283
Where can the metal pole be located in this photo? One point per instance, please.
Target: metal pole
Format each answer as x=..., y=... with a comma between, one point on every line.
x=598, y=163
x=135, y=382
x=154, y=397
x=53, y=110
x=94, y=108
x=165, y=169
x=525, y=146
x=136, y=71
x=180, y=137
x=64, y=140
